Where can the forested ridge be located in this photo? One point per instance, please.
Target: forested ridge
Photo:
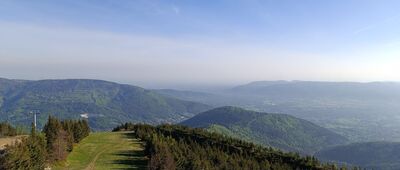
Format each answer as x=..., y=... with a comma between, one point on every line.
x=108, y=104
x=277, y=130
x=180, y=147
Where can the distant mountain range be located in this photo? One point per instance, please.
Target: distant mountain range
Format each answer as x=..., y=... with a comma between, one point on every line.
x=278, y=130
x=371, y=155
x=358, y=111
x=355, y=111
x=313, y=89
x=188, y=95
x=107, y=104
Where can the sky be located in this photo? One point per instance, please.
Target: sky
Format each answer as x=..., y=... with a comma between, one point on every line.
x=163, y=44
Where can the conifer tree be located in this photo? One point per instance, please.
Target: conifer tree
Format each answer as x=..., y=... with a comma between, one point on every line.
x=59, y=147
x=51, y=130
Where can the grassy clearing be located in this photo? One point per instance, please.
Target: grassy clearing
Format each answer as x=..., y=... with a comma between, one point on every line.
x=107, y=150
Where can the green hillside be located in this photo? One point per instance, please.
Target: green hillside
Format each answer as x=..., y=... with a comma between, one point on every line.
x=372, y=155
x=278, y=130
x=108, y=104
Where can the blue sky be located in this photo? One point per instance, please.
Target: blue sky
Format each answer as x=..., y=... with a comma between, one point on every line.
x=204, y=42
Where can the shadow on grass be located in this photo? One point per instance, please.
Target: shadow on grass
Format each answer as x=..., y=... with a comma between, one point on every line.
x=131, y=158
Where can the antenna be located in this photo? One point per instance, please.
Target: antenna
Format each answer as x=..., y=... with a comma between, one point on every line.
x=34, y=112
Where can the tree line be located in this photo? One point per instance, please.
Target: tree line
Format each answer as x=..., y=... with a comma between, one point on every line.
x=48, y=147
x=7, y=130
x=177, y=147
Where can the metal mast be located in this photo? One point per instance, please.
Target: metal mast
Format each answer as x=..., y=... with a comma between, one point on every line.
x=34, y=112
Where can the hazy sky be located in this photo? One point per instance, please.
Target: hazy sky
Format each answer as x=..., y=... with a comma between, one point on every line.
x=203, y=42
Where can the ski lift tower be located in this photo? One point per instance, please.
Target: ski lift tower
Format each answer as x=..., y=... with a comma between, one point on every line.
x=34, y=112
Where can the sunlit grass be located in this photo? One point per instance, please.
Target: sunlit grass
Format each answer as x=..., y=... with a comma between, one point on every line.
x=107, y=150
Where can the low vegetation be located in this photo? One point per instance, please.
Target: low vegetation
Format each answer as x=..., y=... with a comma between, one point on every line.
x=29, y=153
x=40, y=149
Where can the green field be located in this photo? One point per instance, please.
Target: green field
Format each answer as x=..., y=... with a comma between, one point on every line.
x=107, y=150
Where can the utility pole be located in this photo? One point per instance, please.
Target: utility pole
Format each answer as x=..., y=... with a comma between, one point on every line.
x=34, y=112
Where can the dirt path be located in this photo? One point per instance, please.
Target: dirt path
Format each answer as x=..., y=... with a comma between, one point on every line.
x=92, y=164
x=9, y=141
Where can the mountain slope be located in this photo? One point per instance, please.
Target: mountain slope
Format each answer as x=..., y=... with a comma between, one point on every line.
x=108, y=104
x=278, y=130
x=372, y=155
